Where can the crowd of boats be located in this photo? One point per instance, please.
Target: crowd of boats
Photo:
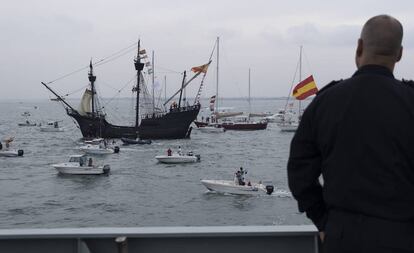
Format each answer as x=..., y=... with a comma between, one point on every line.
x=174, y=119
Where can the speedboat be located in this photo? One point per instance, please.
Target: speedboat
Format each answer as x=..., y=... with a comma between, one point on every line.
x=288, y=126
x=212, y=128
x=230, y=186
x=81, y=165
x=11, y=152
x=52, y=126
x=99, y=149
x=27, y=123
x=128, y=141
x=177, y=158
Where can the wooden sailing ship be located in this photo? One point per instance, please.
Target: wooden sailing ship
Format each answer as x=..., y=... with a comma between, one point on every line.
x=168, y=124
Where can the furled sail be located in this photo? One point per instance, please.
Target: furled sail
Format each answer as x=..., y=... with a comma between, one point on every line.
x=220, y=115
x=85, y=104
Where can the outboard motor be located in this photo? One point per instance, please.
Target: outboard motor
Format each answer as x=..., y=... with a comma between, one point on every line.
x=20, y=152
x=269, y=189
x=198, y=157
x=116, y=149
x=106, y=169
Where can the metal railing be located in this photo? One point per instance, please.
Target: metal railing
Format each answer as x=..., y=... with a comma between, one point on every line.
x=228, y=239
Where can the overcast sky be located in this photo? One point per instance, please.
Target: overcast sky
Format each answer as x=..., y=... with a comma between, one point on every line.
x=45, y=39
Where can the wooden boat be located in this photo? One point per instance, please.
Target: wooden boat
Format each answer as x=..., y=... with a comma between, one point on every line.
x=166, y=124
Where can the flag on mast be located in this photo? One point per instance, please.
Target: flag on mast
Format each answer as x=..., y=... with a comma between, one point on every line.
x=202, y=68
x=305, y=88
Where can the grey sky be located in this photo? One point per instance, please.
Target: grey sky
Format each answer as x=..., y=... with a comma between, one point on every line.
x=44, y=39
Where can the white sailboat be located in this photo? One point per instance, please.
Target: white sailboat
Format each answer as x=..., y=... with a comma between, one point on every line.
x=287, y=122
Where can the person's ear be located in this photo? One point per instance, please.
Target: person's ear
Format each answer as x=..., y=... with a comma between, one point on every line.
x=359, y=48
x=399, y=54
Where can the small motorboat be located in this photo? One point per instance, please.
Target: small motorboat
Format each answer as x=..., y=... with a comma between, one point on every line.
x=27, y=124
x=26, y=114
x=231, y=187
x=288, y=126
x=212, y=128
x=128, y=141
x=52, y=126
x=178, y=158
x=99, y=149
x=7, y=151
x=81, y=165
x=11, y=152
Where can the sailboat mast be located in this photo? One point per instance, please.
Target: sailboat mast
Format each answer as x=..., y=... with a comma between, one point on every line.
x=153, y=83
x=217, y=74
x=165, y=88
x=138, y=67
x=92, y=79
x=300, y=76
x=249, y=96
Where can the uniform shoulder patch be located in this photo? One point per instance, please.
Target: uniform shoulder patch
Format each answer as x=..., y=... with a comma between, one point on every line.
x=408, y=82
x=329, y=85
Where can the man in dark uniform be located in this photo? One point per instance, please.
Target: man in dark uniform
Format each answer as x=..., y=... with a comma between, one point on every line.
x=359, y=135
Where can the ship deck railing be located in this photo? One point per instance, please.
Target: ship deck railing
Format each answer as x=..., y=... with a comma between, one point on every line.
x=207, y=239
x=171, y=110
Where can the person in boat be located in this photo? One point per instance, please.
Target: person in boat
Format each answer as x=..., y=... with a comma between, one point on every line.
x=169, y=152
x=90, y=162
x=179, y=150
x=240, y=176
x=1, y=146
x=55, y=124
x=365, y=203
x=80, y=161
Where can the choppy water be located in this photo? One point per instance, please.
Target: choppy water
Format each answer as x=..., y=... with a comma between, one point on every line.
x=139, y=191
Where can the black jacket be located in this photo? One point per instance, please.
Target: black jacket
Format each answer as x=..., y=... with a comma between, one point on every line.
x=359, y=134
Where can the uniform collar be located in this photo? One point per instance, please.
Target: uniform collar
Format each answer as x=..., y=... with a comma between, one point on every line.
x=374, y=69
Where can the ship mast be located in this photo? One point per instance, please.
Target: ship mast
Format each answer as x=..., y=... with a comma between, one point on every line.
x=92, y=79
x=138, y=67
x=153, y=83
x=217, y=75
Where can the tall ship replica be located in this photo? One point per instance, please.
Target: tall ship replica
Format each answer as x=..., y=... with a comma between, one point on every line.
x=171, y=123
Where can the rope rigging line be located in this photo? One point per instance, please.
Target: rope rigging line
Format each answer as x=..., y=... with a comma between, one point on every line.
x=291, y=86
x=100, y=62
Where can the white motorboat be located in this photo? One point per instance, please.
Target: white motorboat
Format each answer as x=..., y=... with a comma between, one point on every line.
x=277, y=117
x=99, y=149
x=230, y=186
x=27, y=123
x=11, y=152
x=52, y=126
x=212, y=128
x=81, y=165
x=177, y=158
x=288, y=126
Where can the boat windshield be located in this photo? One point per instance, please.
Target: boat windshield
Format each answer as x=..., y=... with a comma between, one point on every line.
x=77, y=159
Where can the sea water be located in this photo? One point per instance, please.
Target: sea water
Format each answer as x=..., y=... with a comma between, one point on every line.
x=139, y=191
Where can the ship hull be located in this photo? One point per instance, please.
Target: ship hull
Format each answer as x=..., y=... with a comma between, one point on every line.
x=245, y=126
x=172, y=125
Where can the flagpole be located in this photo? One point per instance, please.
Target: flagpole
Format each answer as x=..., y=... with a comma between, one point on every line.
x=300, y=77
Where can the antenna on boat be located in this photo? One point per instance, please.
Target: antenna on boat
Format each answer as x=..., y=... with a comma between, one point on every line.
x=138, y=67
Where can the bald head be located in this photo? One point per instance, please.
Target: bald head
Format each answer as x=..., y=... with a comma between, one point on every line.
x=380, y=42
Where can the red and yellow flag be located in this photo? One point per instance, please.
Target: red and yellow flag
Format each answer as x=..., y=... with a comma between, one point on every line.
x=202, y=68
x=305, y=88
